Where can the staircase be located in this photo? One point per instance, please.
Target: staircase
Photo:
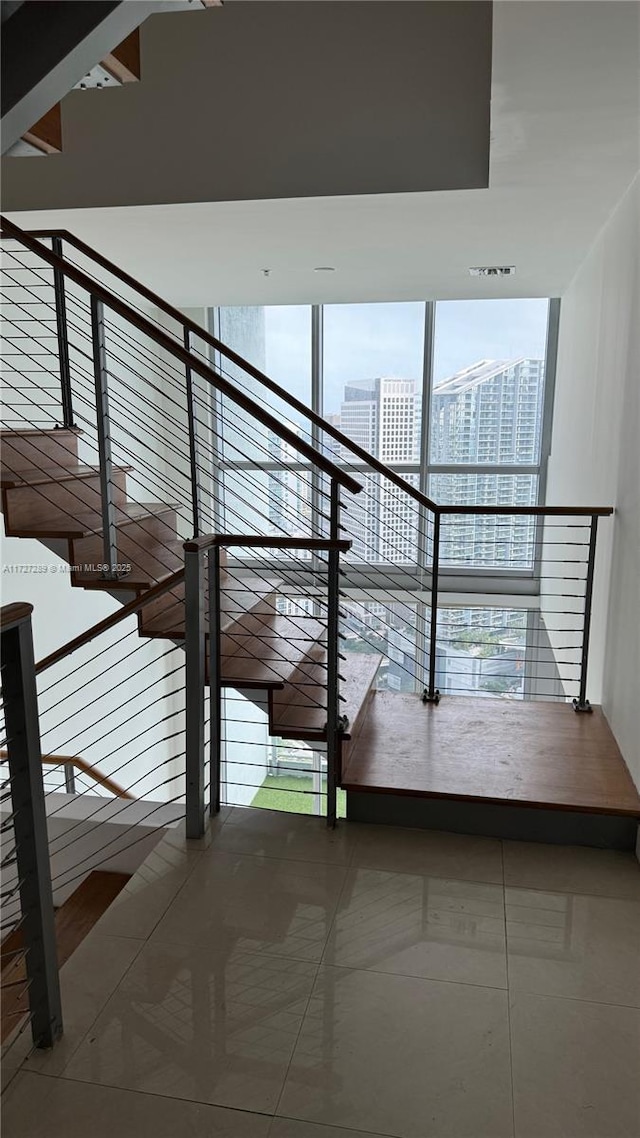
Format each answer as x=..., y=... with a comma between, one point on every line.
x=49, y=495
x=148, y=455
x=49, y=49
x=73, y=922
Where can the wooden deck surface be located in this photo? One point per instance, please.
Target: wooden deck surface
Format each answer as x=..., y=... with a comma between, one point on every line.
x=491, y=750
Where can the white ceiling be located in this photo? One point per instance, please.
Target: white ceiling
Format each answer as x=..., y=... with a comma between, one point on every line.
x=565, y=146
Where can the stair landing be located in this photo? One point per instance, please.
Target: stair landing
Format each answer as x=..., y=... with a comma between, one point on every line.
x=524, y=753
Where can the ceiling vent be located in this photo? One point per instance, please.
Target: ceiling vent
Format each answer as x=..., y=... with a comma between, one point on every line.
x=492, y=271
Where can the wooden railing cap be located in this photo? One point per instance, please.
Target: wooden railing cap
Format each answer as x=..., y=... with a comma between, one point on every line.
x=13, y=614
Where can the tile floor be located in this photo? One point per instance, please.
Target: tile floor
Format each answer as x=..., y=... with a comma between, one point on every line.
x=280, y=981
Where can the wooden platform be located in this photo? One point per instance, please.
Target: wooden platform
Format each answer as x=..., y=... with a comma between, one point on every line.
x=512, y=752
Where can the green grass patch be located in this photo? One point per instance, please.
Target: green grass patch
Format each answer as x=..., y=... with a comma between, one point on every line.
x=282, y=792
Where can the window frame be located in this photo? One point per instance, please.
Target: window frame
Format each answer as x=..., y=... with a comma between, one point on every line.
x=488, y=580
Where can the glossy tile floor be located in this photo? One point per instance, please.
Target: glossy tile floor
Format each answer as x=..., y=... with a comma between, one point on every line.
x=280, y=981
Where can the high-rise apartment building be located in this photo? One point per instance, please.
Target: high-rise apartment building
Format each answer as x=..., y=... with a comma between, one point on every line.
x=489, y=414
x=383, y=416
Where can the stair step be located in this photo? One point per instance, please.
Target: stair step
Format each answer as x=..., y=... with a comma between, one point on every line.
x=524, y=752
x=28, y=432
x=83, y=909
x=34, y=448
x=74, y=920
x=241, y=600
x=85, y=523
x=299, y=711
x=357, y=689
x=63, y=494
x=30, y=477
x=149, y=545
x=269, y=653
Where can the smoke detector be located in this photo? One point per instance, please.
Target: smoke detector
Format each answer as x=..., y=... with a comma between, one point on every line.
x=492, y=271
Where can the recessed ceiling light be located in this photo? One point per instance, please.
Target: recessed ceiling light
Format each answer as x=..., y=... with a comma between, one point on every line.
x=324, y=269
x=492, y=271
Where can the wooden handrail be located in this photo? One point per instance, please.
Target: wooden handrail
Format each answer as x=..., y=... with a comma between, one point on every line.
x=253, y=541
x=170, y=345
x=536, y=511
x=86, y=768
x=219, y=346
x=295, y=404
x=13, y=614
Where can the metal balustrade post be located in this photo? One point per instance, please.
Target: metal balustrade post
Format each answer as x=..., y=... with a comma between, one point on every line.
x=215, y=682
x=63, y=339
x=333, y=641
x=582, y=704
x=30, y=823
x=109, y=533
x=194, y=682
x=193, y=456
x=69, y=779
x=431, y=693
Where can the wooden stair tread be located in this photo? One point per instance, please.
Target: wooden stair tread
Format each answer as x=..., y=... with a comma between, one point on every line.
x=73, y=921
x=10, y=479
x=359, y=671
x=270, y=656
x=87, y=522
x=81, y=911
x=151, y=560
x=239, y=597
x=302, y=708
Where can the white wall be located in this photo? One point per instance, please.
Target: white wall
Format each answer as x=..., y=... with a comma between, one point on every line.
x=281, y=100
x=117, y=702
x=594, y=456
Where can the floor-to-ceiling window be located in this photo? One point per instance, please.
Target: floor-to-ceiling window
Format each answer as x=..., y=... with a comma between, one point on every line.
x=455, y=397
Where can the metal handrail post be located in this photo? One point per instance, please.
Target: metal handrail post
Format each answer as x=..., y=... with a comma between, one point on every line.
x=194, y=684
x=333, y=641
x=100, y=373
x=215, y=682
x=582, y=703
x=63, y=339
x=30, y=824
x=431, y=694
x=193, y=457
x=69, y=779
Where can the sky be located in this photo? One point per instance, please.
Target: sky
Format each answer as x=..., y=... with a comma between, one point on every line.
x=362, y=341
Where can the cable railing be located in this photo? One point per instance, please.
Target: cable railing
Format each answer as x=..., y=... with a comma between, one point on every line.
x=293, y=659
x=65, y=814
x=241, y=473
x=259, y=554
x=241, y=454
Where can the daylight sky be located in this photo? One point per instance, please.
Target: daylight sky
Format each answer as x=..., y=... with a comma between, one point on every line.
x=362, y=341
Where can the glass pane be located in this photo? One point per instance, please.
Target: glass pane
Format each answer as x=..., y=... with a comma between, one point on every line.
x=488, y=381
x=481, y=541
x=277, y=340
x=482, y=650
x=387, y=628
x=267, y=503
x=373, y=375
